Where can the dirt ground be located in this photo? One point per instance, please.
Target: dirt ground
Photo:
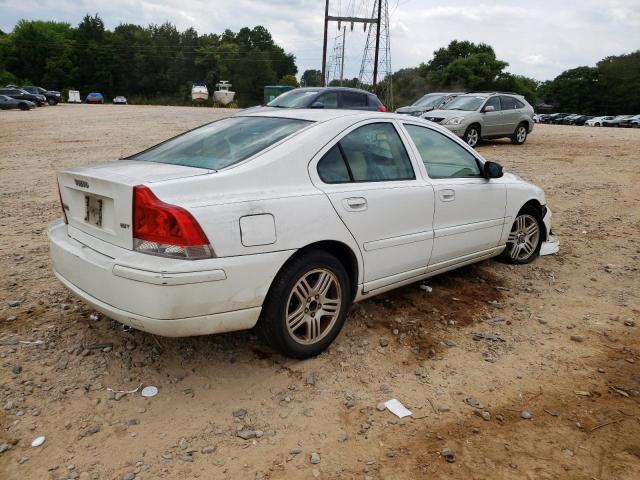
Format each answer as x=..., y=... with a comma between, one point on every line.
x=558, y=339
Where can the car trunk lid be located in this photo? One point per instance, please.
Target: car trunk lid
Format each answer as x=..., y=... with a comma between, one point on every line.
x=98, y=200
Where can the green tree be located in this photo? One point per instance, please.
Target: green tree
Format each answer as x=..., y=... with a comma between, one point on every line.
x=289, y=80
x=311, y=78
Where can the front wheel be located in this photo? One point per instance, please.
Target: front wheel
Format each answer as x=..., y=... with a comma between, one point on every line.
x=307, y=305
x=520, y=135
x=525, y=238
x=23, y=107
x=472, y=136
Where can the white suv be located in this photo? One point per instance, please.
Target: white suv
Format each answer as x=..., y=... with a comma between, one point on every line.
x=486, y=115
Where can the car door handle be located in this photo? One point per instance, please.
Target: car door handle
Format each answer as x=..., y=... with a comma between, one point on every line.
x=355, y=204
x=447, y=195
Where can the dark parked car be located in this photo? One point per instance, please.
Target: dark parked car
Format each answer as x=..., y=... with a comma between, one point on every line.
x=628, y=122
x=20, y=94
x=95, y=97
x=580, y=120
x=426, y=103
x=549, y=118
x=328, y=97
x=560, y=118
x=7, y=103
x=568, y=119
x=615, y=121
x=52, y=96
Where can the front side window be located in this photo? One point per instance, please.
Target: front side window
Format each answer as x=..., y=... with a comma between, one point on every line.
x=371, y=153
x=493, y=102
x=442, y=156
x=353, y=100
x=220, y=144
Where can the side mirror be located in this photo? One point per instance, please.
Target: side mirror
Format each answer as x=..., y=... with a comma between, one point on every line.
x=489, y=108
x=492, y=170
x=317, y=105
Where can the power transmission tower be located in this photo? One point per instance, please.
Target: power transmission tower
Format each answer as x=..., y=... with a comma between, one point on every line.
x=376, y=59
x=346, y=19
x=335, y=66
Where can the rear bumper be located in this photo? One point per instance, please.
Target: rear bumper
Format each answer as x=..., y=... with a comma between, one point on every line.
x=170, y=298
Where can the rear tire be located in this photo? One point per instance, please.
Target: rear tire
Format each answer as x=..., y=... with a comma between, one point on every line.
x=306, y=306
x=472, y=136
x=520, y=135
x=525, y=237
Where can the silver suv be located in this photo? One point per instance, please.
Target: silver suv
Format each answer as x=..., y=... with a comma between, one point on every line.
x=486, y=115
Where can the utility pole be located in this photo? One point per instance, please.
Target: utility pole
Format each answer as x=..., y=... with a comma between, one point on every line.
x=377, y=51
x=344, y=40
x=324, y=45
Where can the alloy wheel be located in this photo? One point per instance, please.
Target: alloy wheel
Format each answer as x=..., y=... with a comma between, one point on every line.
x=521, y=134
x=313, y=306
x=523, y=238
x=472, y=137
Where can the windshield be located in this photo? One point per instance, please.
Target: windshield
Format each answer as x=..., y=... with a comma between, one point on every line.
x=466, y=103
x=293, y=99
x=220, y=144
x=429, y=100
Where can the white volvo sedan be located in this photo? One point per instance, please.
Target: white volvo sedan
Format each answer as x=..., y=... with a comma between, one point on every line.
x=282, y=219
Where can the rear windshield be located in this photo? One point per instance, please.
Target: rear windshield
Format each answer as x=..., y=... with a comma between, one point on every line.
x=293, y=99
x=220, y=144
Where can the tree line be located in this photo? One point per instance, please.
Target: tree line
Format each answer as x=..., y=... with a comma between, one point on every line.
x=611, y=87
x=156, y=63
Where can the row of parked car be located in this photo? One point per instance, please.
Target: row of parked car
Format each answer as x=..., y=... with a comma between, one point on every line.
x=473, y=116
x=27, y=97
x=626, y=121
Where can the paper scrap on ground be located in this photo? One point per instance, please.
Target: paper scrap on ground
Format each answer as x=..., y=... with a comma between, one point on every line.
x=149, y=391
x=395, y=407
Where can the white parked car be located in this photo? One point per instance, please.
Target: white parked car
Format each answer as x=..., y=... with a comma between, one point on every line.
x=597, y=121
x=283, y=219
x=120, y=100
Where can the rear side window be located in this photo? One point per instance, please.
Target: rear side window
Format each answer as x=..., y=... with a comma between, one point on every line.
x=371, y=153
x=221, y=144
x=442, y=157
x=508, y=103
x=353, y=100
x=519, y=104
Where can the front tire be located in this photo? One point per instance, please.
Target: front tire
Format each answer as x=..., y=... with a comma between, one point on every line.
x=525, y=237
x=23, y=106
x=472, y=136
x=520, y=135
x=307, y=305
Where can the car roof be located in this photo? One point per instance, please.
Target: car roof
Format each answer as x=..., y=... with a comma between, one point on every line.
x=320, y=114
x=344, y=89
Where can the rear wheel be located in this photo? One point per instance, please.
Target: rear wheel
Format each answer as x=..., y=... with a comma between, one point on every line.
x=525, y=238
x=472, y=136
x=520, y=135
x=306, y=305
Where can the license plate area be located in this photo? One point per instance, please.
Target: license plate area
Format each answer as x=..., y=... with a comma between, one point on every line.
x=93, y=210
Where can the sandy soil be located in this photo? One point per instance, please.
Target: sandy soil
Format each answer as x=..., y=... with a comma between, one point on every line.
x=561, y=350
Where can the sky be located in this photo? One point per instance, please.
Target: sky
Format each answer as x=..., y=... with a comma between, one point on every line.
x=538, y=38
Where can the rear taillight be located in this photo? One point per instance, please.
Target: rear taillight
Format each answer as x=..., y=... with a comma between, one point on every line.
x=382, y=108
x=166, y=230
x=62, y=205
